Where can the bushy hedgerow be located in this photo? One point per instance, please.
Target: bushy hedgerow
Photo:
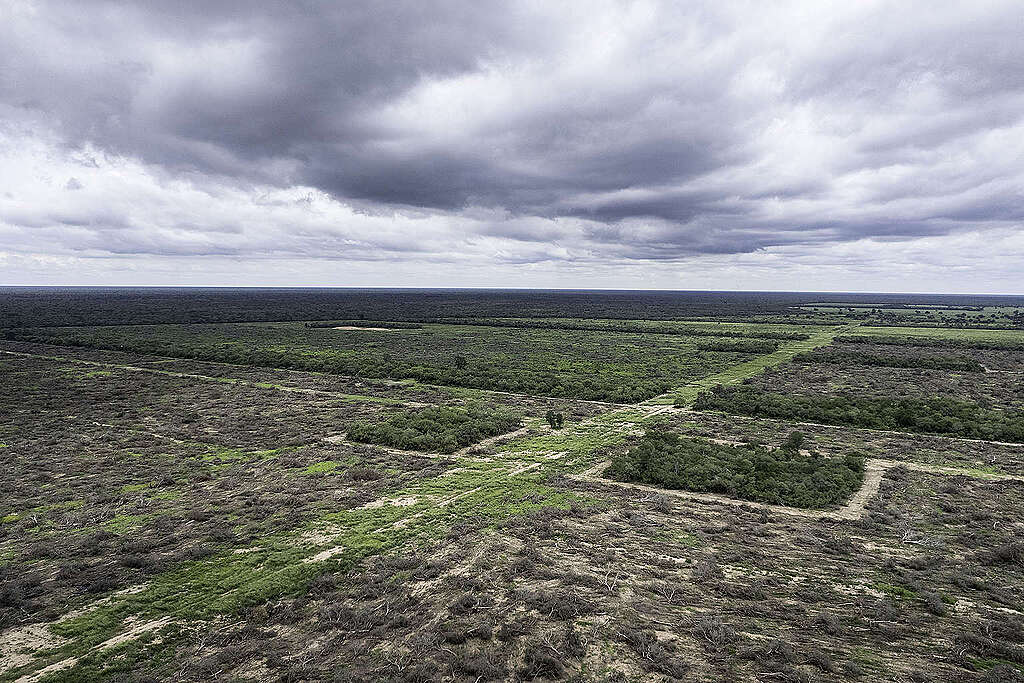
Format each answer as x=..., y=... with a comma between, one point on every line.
x=382, y=324
x=930, y=362
x=783, y=476
x=930, y=414
x=436, y=429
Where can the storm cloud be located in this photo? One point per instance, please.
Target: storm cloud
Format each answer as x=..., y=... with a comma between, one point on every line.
x=602, y=136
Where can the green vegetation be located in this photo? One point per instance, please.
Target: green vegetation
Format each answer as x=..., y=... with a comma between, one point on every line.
x=934, y=414
x=436, y=429
x=689, y=329
x=583, y=364
x=782, y=476
x=929, y=362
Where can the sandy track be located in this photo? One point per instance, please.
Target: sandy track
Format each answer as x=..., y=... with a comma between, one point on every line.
x=131, y=634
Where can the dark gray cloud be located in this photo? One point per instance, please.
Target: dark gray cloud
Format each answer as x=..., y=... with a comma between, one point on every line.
x=522, y=132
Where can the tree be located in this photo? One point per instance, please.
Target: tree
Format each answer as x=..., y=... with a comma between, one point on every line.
x=555, y=420
x=793, y=442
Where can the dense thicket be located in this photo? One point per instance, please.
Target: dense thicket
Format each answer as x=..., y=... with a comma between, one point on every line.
x=436, y=429
x=45, y=306
x=932, y=414
x=382, y=324
x=651, y=326
x=782, y=476
x=932, y=342
x=930, y=362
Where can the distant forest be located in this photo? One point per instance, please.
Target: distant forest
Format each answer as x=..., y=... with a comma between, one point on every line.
x=45, y=306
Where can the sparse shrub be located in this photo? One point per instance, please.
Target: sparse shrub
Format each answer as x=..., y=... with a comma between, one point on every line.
x=1007, y=553
x=707, y=571
x=540, y=662
x=713, y=633
x=460, y=630
x=520, y=626
x=933, y=603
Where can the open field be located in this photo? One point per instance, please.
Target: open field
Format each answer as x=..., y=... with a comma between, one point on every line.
x=165, y=517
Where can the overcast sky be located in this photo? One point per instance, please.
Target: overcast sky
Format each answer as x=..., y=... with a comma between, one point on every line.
x=856, y=146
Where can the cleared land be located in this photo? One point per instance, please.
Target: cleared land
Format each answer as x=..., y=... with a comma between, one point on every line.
x=178, y=518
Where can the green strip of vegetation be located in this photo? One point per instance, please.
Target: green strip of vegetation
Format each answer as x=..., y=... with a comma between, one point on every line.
x=932, y=414
x=782, y=476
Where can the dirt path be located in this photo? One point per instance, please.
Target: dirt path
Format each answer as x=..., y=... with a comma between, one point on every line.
x=522, y=431
x=121, y=638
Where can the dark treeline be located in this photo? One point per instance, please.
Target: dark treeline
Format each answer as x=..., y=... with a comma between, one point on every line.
x=39, y=306
x=932, y=414
x=960, y=322
x=904, y=306
x=929, y=362
x=781, y=476
x=437, y=429
x=382, y=324
x=653, y=327
x=932, y=342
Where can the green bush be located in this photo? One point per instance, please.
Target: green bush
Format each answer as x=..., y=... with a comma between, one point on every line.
x=436, y=429
x=783, y=476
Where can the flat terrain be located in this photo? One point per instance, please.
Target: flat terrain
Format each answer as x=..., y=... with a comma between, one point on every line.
x=184, y=501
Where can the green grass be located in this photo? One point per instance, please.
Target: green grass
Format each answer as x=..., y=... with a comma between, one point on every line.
x=323, y=467
x=125, y=524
